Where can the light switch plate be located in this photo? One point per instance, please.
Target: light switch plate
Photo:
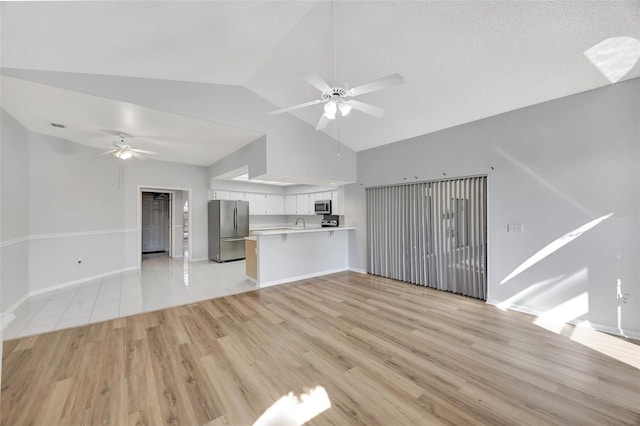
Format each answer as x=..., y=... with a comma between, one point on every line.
x=515, y=227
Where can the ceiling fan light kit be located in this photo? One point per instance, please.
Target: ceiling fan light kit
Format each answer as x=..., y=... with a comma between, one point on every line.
x=123, y=151
x=330, y=110
x=337, y=98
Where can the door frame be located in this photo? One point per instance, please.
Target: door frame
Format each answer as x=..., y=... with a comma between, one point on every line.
x=168, y=226
x=172, y=215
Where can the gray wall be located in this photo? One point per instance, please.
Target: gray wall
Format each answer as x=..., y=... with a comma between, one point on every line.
x=355, y=215
x=552, y=167
x=14, y=207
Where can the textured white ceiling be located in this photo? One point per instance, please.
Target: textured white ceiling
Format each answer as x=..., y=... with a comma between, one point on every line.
x=97, y=122
x=462, y=61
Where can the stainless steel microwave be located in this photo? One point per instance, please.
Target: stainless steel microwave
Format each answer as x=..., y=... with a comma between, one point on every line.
x=322, y=207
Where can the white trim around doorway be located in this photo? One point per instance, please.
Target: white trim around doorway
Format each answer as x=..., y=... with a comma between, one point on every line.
x=172, y=191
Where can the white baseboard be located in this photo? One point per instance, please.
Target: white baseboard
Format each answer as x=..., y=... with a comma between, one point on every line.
x=79, y=281
x=358, y=270
x=302, y=277
x=514, y=307
x=18, y=302
x=607, y=329
x=5, y=319
x=578, y=323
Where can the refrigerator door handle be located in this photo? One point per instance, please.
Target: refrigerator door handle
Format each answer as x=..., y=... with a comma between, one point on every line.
x=235, y=219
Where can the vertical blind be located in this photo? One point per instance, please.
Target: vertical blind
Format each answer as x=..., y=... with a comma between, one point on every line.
x=430, y=233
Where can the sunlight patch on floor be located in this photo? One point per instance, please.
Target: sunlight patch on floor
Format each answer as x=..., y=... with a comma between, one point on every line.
x=606, y=344
x=292, y=410
x=557, y=317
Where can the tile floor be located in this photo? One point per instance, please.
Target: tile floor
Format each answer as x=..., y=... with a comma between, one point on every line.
x=159, y=284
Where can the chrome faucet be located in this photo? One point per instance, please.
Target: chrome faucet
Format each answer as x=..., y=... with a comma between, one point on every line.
x=304, y=226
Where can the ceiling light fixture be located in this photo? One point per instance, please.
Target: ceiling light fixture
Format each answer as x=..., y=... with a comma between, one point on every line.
x=330, y=109
x=344, y=108
x=123, y=151
x=337, y=97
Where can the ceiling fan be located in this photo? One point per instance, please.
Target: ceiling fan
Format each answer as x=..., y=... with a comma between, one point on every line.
x=124, y=151
x=337, y=98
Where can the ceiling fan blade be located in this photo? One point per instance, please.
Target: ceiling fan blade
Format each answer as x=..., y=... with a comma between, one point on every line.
x=111, y=151
x=315, y=80
x=143, y=151
x=366, y=108
x=322, y=123
x=379, y=84
x=291, y=108
x=136, y=155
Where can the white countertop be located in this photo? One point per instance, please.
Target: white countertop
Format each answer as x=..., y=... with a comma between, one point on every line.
x=300, y=230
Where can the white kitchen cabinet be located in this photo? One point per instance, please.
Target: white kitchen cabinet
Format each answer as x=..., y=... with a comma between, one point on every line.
x=302, y=204
x=290, y=204
x=251, y=198
x=260, y=204
x=312, y=202
x=275, y=204
x=216, y=194
x=257, y=203
x=337, y=207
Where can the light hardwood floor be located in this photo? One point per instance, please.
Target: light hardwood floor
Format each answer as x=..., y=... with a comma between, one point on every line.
x=386, y=352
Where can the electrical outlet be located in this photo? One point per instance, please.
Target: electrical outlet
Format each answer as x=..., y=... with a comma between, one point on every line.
x=515, y=227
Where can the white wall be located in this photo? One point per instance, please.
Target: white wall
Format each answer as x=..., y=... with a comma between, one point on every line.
x=355, y=215
x=75, y=212
x=552, y=167
x=14, y=206
x=293, y=148
x=85, y=206
x=166, y=175
x=14, y=222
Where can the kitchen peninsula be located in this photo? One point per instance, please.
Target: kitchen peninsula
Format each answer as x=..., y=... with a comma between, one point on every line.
x=285, y=255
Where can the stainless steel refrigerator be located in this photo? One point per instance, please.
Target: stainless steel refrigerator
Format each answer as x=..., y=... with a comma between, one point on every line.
x=228, y=225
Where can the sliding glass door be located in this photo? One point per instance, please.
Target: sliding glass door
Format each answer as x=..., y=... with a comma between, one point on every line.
x=430, y=233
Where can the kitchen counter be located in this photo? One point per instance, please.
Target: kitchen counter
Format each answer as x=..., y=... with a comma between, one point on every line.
x=292, y=254
x=279, y=231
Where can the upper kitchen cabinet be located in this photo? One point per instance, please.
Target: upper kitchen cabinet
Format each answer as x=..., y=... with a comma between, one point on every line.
x=275, y=204
x=290, y=204
x=337, y=206
x=260, y=206
x=302, y=204
x=216, y=194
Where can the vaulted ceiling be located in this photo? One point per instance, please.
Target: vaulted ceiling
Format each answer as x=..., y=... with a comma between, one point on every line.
x=462, y=61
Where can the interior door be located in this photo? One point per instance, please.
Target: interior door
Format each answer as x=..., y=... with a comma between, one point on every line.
x=155, y=219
